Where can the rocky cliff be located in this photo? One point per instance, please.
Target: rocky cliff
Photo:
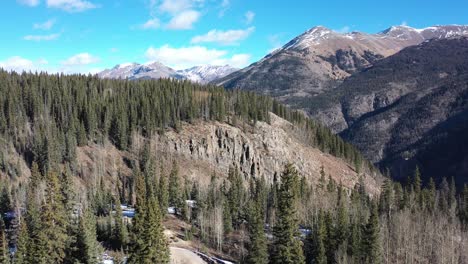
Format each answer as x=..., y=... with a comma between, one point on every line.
x=204, y=148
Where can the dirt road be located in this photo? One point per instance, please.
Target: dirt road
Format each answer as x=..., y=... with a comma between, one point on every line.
x=184, y=256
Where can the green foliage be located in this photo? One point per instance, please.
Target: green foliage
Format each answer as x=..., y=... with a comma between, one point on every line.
x=54, y=220
x=149, y=244
x=87, y=247
x=175, y=187
x=120, y=233
x=287, y=248
x=371, y=238
x=258, y=249
x=23, y=244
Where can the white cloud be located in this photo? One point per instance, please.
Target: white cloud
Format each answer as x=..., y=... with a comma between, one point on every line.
x=224, y=7
x=29, y=2
x=41, y=37
x=80, y=59
x=175, y=6
x=114, y=50
x=19, y=64
x=45, y=25
x=185, y=57
x=228, y=37
x=153, y=23
x=404, y=23
x=249, y=17
x=71, y=5
x=184, y=20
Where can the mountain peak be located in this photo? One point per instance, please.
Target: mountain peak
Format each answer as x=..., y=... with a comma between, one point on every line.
x=311, y=37
x=398, y=28
x=156, y=70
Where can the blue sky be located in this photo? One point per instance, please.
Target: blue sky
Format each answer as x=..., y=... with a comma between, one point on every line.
x=91, y=35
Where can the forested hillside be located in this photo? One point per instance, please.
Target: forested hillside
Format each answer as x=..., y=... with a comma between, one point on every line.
x=56, y=210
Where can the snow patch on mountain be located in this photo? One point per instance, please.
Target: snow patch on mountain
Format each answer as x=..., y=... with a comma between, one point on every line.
x=155, y=70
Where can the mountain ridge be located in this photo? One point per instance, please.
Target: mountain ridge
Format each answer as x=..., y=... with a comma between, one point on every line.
x=320, y=59
x=155, y=70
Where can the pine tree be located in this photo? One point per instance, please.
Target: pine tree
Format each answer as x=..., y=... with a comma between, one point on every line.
x=149, y=242
x=417, y=186
x=431, y=195
x=258, y=250
x=235, y=195
x=163, y=193
x=139, y=245
x=322, y=180
x=175, y=195
x=317, y=241
x=287, y=248
x=86, y=243
x=158, y=250
x=120, y=234
x=54, y=220
x=354, y=242
x=371, y=238
x=23, y=244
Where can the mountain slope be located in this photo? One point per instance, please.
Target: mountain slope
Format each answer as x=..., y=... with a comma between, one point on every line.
x=320, y=59
x=156, y=70
x=409, y=109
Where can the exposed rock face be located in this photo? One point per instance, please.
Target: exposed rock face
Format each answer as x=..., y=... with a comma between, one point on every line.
x=262, y=151
x=204, y=148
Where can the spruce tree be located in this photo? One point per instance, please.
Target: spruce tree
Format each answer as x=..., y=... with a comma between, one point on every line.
x=287, y=247
x=54, y=220
x=120, y=234
x=158, y=250
x=371, y=238
x=86, y=243
x=417, y=186
x=163, y=193
x=175, y=190
x=139, y=245
x=258, y=250
x=23, y=244
x=317, y=240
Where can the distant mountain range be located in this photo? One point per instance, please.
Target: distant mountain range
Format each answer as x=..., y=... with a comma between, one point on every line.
x=156, y=70
x=400, y=95
x=320, y=59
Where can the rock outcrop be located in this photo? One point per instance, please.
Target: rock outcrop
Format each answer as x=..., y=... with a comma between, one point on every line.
x=204, y=148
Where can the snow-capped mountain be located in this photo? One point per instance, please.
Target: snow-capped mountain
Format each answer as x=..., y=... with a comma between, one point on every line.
x=320, y=58
x=153, y=70
x=207, y=73
x=156, y=70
